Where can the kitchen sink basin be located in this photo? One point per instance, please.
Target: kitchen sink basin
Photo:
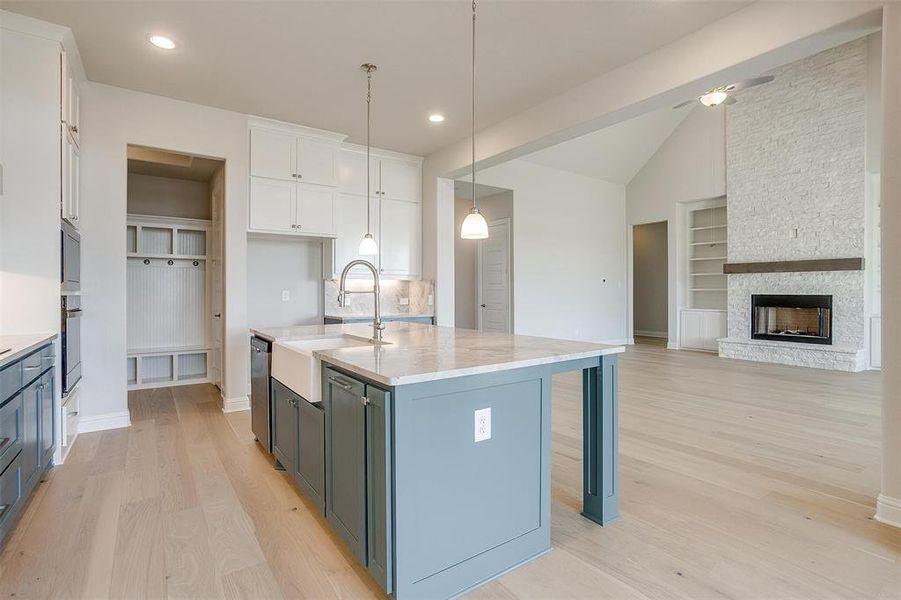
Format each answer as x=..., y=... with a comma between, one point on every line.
x=294, y=364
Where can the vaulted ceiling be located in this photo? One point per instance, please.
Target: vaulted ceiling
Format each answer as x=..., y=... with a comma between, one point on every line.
x=299, y=61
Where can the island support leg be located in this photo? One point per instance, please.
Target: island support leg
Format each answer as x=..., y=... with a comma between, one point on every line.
x=600, y=485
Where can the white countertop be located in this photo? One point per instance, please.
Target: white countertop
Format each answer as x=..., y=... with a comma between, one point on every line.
x=417, y=353
x=20, y=345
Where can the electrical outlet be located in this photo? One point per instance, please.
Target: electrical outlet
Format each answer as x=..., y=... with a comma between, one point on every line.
x=431, y=300
x=794, y=232
x=404, y=301
x=483, y=424
x=286, y=296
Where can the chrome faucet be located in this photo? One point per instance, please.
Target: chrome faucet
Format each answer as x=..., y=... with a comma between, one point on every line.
x=377, y=325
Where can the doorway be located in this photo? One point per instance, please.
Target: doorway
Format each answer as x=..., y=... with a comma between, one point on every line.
x=484, y=269
x=493, y=275
x=175, y=275
x=650, y=287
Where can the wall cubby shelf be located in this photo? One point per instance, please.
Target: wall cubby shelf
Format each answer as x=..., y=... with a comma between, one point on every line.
x=168, y=318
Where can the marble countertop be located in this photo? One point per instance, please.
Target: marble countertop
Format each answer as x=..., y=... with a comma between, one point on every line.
x=384, y=316
x=415, y=353
x=20, y=345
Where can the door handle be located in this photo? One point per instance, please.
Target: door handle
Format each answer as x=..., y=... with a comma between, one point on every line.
x=3, y=509
x=340, y=383
x=482, y=305
x=217, y=316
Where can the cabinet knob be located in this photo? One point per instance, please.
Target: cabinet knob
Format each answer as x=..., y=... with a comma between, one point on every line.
x=299, y=176
x=364, y=400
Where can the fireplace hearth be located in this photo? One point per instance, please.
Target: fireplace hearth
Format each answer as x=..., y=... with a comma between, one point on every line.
x=792, y=318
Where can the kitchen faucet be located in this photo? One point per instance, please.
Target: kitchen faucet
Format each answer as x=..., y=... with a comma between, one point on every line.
x=377, y=325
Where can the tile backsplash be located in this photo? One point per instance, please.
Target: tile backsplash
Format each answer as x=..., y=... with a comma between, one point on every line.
x=394, y=292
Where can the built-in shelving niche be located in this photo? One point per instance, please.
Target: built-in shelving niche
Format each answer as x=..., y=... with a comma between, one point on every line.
x=708, y=252
x=168, y=319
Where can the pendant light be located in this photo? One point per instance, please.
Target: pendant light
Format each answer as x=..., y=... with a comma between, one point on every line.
x=368, y=247
x=474, y=225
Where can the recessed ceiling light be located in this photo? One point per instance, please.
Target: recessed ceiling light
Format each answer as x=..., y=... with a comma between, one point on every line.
x=161, y=41
x=436, y=118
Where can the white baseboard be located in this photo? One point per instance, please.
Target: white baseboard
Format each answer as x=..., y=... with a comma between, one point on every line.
x=653, y=334
x=672, y=346
x=235, y=404
x=103, y=422
x=888, y=510
x=630, y=341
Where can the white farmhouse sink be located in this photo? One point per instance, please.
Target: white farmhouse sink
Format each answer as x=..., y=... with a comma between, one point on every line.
x=294, y=365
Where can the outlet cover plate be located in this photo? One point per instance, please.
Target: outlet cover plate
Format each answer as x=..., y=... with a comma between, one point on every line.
x=482, y=424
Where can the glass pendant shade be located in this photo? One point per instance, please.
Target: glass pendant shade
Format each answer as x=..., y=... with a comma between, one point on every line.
x=368, y=247
x=474, y=226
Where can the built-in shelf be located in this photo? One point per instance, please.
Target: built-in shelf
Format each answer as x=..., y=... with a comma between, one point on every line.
x=167, y=256
x=707, y=249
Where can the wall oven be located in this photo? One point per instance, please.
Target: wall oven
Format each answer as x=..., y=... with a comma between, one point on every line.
x=70, y=279
x=70, y=341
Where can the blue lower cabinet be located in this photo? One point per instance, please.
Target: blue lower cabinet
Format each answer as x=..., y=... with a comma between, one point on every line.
x=284, y=426
x=31, y=434
x=310, y=471
x=27, y=430
x=358, y=467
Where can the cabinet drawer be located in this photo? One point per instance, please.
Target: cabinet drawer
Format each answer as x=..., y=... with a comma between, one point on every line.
x=10, y=380
x=31, y=367
x=10, y=430
x=10, y=494
x=48, y=357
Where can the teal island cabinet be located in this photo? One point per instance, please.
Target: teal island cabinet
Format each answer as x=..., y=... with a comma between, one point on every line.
x=436, y=449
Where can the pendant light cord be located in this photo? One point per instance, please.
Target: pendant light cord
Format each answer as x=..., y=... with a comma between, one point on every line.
x=473, y=104
x=368, y=127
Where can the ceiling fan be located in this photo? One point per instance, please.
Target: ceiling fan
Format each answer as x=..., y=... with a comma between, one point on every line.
x=720, y=95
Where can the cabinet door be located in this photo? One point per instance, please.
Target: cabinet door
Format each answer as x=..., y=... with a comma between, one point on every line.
x=316, y=161
x=69, y=179
x=350, y=227
x=315, y=209
x=284, y=426
x=400, y=180
x=47, y=418
x=310, y=473
x=714, y=329
x=273, y=154
x=272, y=204
x=691, y=329
x=352, y=173
x=346, y=460
x=31, y=433
x=379, y=486
x=400, y=226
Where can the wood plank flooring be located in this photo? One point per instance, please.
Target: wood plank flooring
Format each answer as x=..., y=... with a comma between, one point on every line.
x=738, y=480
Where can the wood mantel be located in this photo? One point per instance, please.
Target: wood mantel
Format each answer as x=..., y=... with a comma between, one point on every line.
x=796, y=266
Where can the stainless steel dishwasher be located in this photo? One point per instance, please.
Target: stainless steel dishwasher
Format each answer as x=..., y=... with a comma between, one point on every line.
x=260, y=391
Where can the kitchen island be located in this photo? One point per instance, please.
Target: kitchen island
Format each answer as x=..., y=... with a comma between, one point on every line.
x=433, y=462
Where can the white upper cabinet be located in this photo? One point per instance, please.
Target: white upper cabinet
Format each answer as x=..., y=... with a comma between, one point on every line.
x=400, y=180
x=272, y=205
x=316, y=161
x=292, y=183
x=70, y=100
x=273, y=154
x=400, y=238
x=69, y=190
x=69, y=116
x=285, y=155
x=350, y=227
x=352, y=172
x=314, y=212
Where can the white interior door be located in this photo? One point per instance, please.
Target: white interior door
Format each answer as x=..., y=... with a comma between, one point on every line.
x=494, y=286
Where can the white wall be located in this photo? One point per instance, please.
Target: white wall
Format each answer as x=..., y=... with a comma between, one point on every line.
x=690, y=165
x=650, y=292
x=276, y=264
x=29, y=234
x=569, y=238
x=112, y=119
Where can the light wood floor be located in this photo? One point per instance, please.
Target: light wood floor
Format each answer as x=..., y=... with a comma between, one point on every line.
x=738, y=480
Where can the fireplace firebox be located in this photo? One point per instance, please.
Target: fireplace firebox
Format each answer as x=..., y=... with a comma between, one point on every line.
x=792, y=318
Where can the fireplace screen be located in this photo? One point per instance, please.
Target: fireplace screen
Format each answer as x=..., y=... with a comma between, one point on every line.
x=792, y=318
